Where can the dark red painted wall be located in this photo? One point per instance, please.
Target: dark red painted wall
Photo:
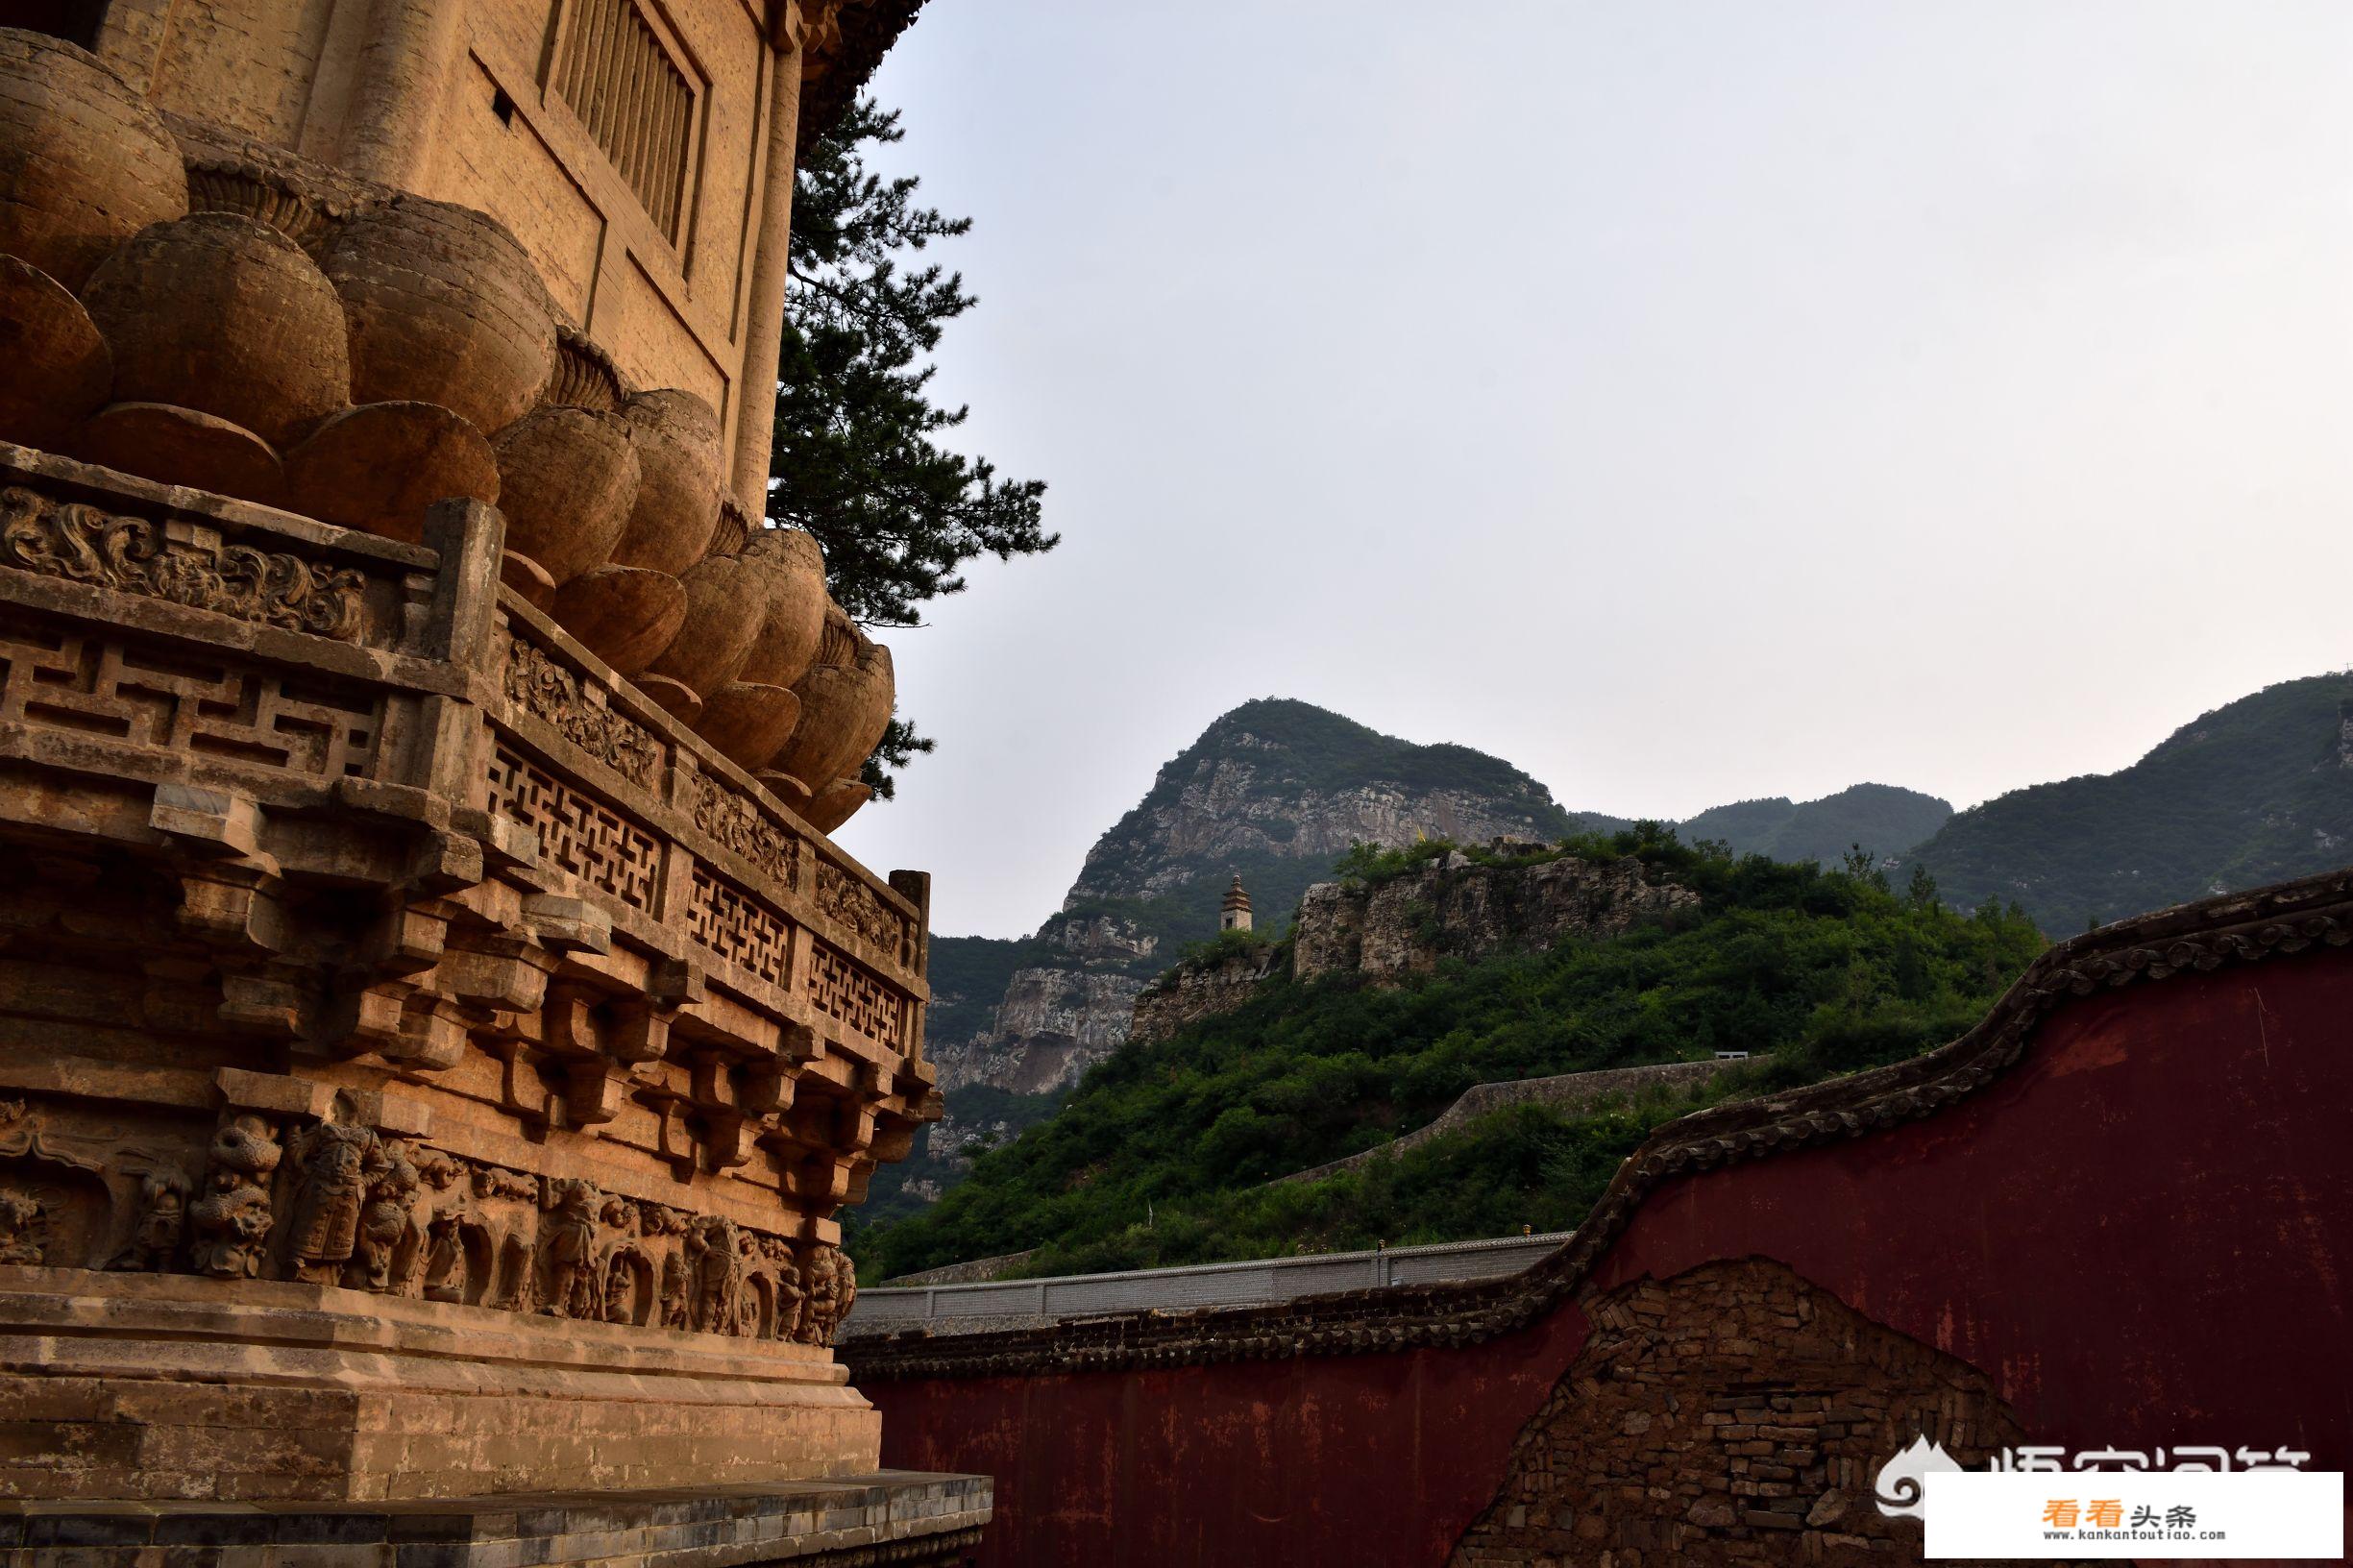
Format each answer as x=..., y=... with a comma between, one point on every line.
x=2144, y=1234
x=1356, y=1459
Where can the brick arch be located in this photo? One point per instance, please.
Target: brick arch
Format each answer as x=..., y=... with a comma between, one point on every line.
x=1732, y=1415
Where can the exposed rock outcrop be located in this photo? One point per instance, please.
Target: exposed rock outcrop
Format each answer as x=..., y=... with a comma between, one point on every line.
x=1460, y=908
x=1193, y=992
x=1226, y=811
x=1455, y=906
x=1051, y=1027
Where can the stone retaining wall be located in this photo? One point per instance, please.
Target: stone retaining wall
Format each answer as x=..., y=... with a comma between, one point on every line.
x=1566, y=1092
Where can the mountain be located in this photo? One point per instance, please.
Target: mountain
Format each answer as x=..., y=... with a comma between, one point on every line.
x=1274, y=791
x=1428, y=970
x=1884, y=820
x=2254, y=791
x=1277, y=791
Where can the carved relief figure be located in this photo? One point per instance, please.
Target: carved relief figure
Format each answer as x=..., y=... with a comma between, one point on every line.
x=337, y=1163
x=756, y=1302
x=491, y=1182
x=568, y=1241
x=384, y=1222
x=715, y=1274
x=20, y=1215
x=445, y=1257
x=673, y=1292
x=231, y=1222
x=629, y=1286
x=513, y=1292
x=844, y=1289
x=789, y=1295
x=162, y=1222
x=817, y=1318
x=436, y=1169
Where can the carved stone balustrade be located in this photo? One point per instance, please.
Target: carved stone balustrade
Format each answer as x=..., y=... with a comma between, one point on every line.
x=426, y=1058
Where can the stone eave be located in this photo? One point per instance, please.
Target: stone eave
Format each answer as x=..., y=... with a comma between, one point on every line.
x=2286, y=919
x=868, y=30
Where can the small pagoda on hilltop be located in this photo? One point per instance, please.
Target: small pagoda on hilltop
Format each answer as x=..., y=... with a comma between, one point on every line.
x=1234, y=910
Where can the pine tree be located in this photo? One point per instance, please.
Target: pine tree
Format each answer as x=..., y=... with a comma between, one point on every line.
x=857, y=457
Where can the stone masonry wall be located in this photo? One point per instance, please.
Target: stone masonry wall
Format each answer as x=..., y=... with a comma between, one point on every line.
x=1734, y=1415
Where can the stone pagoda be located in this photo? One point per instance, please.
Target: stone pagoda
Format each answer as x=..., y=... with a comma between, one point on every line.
x=437, y=1035
x=1234, y=909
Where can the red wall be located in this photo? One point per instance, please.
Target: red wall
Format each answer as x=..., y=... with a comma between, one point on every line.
x=1355, y=1459
x=2143, y=1235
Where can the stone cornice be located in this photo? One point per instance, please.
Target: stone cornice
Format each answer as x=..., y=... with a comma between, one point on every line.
x=2289, y=917
x=849, y=40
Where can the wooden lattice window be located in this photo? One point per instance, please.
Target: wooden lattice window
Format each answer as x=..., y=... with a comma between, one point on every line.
x=620, y=78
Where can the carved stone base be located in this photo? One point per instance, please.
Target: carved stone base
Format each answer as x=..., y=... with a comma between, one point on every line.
x=156, y=1386
x=895, y=1516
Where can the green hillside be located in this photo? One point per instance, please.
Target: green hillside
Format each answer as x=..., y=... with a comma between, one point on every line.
x=2255, y=791
x=1884, y=819
x=1158, y=1155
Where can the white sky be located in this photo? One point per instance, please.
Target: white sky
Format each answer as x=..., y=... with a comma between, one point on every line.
x=1683, y=400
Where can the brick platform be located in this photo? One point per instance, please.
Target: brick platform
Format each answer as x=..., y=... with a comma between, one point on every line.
x=896, y=1517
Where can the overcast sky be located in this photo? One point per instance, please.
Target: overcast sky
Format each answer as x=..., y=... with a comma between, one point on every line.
x=1687, y=402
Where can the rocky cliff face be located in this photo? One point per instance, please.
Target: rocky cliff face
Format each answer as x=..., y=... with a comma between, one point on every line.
x=1197, y=990
x=1035, y=1013
x=1053, y=1025
x=1456, y=907
x=1275, y=792
x=1223, y=813
x=1288, y=783
x=1453, y=907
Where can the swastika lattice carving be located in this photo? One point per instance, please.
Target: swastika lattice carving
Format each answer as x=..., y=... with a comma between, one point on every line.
x=846, y=991
x=739, y=930
x=577, y=834
x=204, y=706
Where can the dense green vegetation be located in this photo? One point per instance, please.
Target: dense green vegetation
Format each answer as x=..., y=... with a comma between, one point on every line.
x=893, y=1195
x=1884, y=820
x=2254, y=791
x=1158, y=1155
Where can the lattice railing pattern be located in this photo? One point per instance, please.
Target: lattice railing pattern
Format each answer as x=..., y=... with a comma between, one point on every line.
x=739, y=929
x=577, y=833
x=182, y=703
x=839, y=988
